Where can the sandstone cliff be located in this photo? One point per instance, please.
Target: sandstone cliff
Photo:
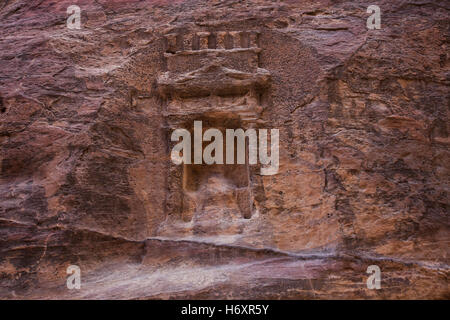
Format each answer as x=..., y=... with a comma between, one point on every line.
x=85, y=171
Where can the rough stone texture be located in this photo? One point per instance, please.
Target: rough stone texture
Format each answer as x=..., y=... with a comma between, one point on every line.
x=86, y=178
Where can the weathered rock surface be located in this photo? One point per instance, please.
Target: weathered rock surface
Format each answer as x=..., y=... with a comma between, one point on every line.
x=85, y=171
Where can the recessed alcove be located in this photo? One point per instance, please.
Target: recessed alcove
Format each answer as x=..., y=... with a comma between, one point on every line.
x=200, y=183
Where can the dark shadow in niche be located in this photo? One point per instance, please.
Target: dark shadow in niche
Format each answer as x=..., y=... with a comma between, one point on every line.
x=2, y=107
x=212, y=41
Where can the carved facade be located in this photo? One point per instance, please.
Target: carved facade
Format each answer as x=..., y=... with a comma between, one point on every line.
x=213, y=77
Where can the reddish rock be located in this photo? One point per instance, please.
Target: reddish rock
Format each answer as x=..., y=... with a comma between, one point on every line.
x=86, y=178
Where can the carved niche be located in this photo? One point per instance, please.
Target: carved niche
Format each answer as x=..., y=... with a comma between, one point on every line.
x=213, y=77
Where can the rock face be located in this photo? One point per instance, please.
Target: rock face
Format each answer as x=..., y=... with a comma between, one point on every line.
x=86, y=175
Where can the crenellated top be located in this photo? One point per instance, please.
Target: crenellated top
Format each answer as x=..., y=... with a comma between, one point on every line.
x=221, y=40
x=213, y=73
